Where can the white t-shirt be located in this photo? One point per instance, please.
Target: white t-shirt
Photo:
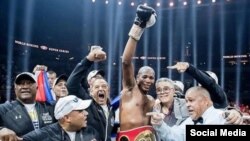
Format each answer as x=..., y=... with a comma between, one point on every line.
x=106, y=110
x=72, y=135
x=31, y=109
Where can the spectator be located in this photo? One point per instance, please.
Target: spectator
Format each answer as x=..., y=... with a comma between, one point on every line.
x=59, y=86
x=101, y=114
x=24, y=114
x=201, y=111
x=173, y=108
x=179, y=89
x=71, y=126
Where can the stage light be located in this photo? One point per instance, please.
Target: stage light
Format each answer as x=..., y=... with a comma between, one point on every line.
x=158, y=4
x=132, y=4
x=119, y=3
x=199, y=2
x=106, y=2
x=213, y=1
x=171, y=4
x=185, y=3
x=93, y=1
x=145, y=4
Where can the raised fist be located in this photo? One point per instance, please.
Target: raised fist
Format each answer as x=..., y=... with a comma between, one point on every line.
x=145, y=16
x=96, y=54
x=40, y=68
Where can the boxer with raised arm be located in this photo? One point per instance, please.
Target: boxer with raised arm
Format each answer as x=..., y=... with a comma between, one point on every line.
x=135, y=103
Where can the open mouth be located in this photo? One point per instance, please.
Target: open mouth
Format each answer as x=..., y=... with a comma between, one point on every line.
x=101, y=95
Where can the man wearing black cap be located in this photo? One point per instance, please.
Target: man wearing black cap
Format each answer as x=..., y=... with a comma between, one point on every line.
x=24, y=114
x=101, y=114
x=59, y=86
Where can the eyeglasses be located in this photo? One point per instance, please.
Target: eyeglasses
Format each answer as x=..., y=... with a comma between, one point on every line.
x=164, y=90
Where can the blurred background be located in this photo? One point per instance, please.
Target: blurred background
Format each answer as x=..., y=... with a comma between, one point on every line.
x=210, y=34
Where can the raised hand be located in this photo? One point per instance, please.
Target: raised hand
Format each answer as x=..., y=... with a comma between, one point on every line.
x=156, y=118
x=180, y=66
x=40, y=68
x=96, y=54
x=145, y=17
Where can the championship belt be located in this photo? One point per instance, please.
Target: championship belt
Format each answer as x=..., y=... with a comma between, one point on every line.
x=144, y=133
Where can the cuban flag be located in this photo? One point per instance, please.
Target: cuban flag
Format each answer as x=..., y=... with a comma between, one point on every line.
x=43, y=92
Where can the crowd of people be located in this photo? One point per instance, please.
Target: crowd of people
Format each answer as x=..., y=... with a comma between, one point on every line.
x=83, y=110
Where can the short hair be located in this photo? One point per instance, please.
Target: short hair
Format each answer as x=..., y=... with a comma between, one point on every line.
x=199, y=89
x=145, y=68
x=98, y=78
x=164, y=79
x=51, y=72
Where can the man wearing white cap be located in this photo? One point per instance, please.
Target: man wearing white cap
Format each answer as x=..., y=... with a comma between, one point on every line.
x=179, y=88
x=93, y=75
x=71, y=114
x=24, y=114
x=101, y=114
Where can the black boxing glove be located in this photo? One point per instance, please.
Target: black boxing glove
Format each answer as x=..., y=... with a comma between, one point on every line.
x=145, y=17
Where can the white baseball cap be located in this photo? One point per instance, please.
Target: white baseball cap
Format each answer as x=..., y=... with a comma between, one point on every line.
x=67, y=104
x=179, y=84
x=93, y=73
x=25, y=76
x=213, y=75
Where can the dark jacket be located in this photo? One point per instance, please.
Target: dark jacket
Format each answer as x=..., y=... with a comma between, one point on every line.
x=14, y=116
x=54, y=132
x=96, y=117
x=217, y=94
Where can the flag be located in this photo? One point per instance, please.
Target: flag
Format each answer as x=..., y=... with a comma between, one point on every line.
x=43, y=92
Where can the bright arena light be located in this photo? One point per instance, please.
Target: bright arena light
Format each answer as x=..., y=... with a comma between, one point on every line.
x=171, y=4
x=158, y=4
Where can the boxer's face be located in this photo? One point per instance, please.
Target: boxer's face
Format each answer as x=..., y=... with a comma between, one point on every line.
x=145, y=80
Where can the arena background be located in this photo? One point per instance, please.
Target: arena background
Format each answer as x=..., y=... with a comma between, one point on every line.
x=211, y=34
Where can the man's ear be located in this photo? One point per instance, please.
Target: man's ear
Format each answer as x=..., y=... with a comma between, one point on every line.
x=90, y=92
x=137, y=78
x=66, y=118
